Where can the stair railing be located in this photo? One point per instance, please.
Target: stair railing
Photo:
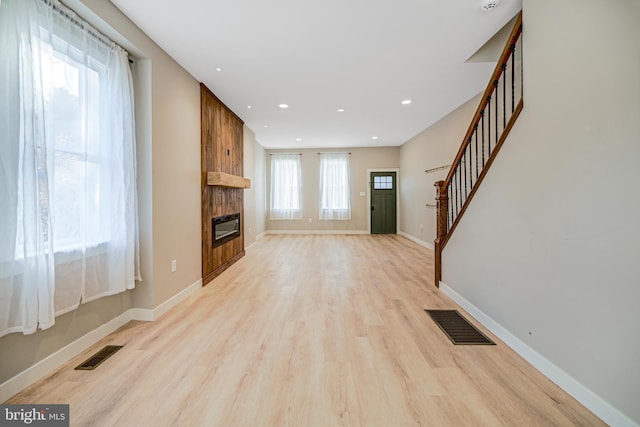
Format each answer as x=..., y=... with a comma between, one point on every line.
x=499, y=108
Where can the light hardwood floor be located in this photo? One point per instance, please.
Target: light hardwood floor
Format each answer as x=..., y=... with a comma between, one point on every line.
x=309, y=331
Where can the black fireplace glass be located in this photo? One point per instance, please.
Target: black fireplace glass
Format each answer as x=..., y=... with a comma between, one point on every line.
x=225, y=228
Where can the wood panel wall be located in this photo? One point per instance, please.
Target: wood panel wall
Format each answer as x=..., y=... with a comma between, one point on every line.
x=221, y=136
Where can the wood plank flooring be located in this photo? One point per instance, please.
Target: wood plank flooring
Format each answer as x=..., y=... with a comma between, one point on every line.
x=311, y=330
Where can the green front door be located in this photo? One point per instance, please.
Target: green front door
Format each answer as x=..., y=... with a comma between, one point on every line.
x=383, y=202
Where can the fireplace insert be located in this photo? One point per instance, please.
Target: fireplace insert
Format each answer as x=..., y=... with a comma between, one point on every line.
x=225, y=228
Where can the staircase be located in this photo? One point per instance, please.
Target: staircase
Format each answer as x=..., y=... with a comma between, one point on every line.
x=499, y=108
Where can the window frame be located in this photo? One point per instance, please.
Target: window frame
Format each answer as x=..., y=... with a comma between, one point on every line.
x=294, y=211
x=332, y=206
x=71, y=55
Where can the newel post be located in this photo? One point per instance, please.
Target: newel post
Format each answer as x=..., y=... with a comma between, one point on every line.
x=442, y=200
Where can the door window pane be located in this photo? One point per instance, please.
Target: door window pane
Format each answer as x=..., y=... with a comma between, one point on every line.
x=383, y=182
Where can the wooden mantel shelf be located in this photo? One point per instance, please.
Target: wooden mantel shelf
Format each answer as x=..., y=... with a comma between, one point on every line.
x=222, y=179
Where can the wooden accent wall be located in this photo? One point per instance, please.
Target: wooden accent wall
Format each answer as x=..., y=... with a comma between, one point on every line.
x=221, y=140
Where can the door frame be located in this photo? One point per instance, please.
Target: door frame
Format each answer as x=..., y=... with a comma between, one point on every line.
x=397, y=171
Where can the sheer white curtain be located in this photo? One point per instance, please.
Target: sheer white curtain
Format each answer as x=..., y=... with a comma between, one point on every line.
x=286, y=187
x=335, y=199
x=68, y=204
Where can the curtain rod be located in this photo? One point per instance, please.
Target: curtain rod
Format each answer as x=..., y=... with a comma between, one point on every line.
x=299, y=154
x=80, y=22
x=334, y=152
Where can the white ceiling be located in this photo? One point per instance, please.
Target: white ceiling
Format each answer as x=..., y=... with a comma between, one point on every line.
x=365, y=56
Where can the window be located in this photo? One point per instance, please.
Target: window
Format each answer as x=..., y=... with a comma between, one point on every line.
x=69, y=207
x=286, y=187
x=383, y=183
x=68, y=102
x=335, y=198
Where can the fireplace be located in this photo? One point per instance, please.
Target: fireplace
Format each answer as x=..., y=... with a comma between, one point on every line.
x=225, y=228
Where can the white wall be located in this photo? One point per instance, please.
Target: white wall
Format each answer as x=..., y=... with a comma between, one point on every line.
x=254, y=165
x=260, y=179
x=168, y=133
x=360, y=160
x=434, y=147
x=550, y=245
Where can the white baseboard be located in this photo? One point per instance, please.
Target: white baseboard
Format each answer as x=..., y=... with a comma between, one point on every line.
x=416, y=240
x=143, y=314
x=52, y=362
x=44, y=367
x=589, y=399
x=316, y=232
x=258, y=237
x=173, y=301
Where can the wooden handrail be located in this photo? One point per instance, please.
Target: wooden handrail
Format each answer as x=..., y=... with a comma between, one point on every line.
x=456, y=191
x=503, y=137
x=497, y=72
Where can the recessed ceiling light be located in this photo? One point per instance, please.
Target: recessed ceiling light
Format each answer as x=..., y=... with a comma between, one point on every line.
x=218, y=69
x=249, y=106
x=283, y=106
x=298, y=139
x=374, y=137
x=266, y=126
x=340, y=110
x=406, y=102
